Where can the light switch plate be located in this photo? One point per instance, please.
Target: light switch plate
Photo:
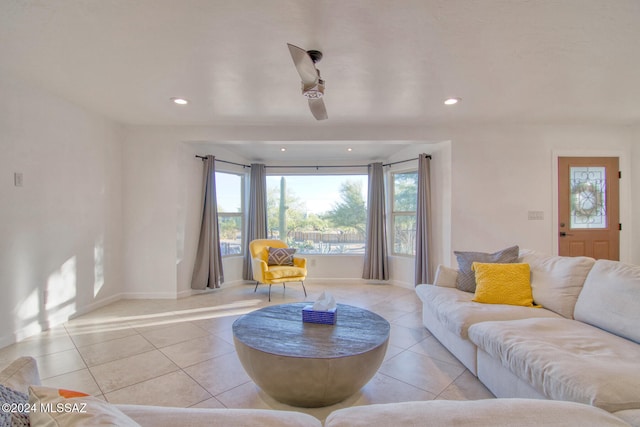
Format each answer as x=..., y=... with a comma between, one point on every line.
x=17, y=179
x=535, y=215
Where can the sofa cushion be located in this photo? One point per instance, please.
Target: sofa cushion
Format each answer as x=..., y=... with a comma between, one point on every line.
x=456, y=310
x=631, y=416
x=610, y=299
x=566, y=360
x=285, y=272
x=556, y=281
x=20, y=374
x=466, y=280
x=473, y=413
x=69, y=408
x=157, y=416
x=503, y=284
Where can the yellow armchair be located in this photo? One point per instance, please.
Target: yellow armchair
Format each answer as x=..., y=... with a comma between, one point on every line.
x=270, y=274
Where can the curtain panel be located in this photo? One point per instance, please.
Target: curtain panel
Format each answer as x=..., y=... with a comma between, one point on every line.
x=207, y=272
x=423, y=261
x=256, y=215
x=376, y=262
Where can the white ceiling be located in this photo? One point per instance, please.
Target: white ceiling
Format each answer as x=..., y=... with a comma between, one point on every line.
x=386, y=63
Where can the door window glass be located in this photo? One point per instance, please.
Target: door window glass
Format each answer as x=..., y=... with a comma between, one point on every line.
x=588, y=197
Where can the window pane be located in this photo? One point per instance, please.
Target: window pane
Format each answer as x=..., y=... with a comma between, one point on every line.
x=405, y=191
x=229, y=192
x=588, y=196
x=404, y=234
x=318, y=214
x=229, y=195
x=230, y=234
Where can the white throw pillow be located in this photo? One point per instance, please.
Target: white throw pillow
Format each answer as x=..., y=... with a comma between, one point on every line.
x=445, y=277
x=556, y=281
x=610, y=299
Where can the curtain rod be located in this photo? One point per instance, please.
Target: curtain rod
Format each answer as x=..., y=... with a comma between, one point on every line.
x=313, y=167
x=225, y=161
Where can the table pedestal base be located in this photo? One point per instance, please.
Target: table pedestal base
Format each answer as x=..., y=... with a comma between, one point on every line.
x=310, y=382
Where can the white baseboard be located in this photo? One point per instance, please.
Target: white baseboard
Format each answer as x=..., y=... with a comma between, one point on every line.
x=181, y=294
x=95, y=305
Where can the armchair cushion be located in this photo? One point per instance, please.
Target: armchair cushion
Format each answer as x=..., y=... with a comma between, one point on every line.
x=293, y=273
x=280, y=256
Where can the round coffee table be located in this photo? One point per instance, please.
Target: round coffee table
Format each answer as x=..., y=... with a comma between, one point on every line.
x=307, y=364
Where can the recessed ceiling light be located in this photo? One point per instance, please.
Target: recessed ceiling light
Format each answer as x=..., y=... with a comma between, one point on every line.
x=451, y=101
x=283, y=149
x=349, y=149
x=180, y=101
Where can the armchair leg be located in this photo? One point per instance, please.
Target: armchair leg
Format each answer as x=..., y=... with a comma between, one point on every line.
x=303, y=288
x=256, y=288
x=269, y=292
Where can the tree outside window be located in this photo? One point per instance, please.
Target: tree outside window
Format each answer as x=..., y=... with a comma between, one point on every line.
x=403, y=214
x=230, y=203
x=318, y=214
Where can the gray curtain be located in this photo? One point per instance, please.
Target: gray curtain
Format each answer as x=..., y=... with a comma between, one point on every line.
x=376, y=263
x=207, y=272
x=257, y=214
x=424, y=263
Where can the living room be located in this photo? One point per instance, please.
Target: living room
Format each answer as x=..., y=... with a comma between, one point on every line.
x=101, y=193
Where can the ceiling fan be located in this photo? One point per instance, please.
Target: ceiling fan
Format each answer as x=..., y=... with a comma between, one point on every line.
x=312, y=84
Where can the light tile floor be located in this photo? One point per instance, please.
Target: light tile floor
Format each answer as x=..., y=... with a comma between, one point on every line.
x=181, y=353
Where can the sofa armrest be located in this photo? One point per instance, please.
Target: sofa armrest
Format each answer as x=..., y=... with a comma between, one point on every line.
x=20, y=374
x=445, y=277
x=300, y=262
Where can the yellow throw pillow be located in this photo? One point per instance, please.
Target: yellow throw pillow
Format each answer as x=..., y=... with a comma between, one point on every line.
x=503, y=284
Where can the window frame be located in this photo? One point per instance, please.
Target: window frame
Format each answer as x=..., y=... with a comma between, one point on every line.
x=241, y=214
x=394, y=214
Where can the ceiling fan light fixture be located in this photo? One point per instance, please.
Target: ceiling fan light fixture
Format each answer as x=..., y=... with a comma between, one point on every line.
x=452, y=101
x=315, y=91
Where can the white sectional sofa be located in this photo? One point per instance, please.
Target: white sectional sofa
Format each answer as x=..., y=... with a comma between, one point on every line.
x=22, y=376
x=582, y=345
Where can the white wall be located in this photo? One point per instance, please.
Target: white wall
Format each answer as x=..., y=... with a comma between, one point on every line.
x=60, y=232
x=161, y=204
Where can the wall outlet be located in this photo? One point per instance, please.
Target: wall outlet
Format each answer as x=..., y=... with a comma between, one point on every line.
x=312, y=262
x=17, y=179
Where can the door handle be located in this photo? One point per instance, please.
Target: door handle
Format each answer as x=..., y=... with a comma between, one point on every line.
x=565, y=234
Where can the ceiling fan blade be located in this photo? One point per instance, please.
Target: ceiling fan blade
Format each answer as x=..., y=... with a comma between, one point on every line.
x=304, y=64
x=318, y=109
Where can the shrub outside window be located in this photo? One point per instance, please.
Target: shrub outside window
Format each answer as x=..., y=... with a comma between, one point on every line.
x=404, y=196
x=230, y=202
x=318, y=214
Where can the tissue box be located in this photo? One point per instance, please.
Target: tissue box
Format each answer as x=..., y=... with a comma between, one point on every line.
x=323, y=317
